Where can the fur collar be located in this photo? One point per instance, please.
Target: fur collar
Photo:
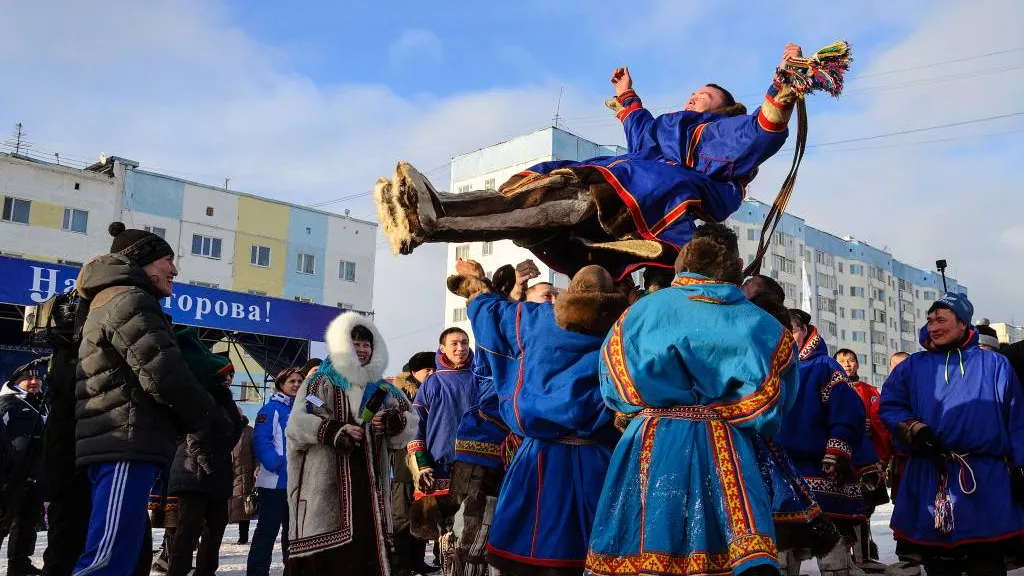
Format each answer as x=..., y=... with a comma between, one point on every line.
x=407, y=384
x=591, y=313
x=343, y=354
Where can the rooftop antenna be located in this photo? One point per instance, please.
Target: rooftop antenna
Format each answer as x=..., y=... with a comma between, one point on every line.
x=226, y=180
x=941, y=265
x=18, y=141
x=558, y=106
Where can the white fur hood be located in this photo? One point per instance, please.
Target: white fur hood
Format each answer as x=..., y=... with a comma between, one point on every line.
x=343, y=354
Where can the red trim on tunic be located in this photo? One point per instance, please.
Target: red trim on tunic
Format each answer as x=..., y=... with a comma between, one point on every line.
x=540, y=490
x=625, y=112
x=550, y=562
x=691, y=148
x=673, y=215
x=522, y=366
x=899, y=534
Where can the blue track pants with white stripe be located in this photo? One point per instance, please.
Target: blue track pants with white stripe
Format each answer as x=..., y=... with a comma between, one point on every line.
x=120, y=495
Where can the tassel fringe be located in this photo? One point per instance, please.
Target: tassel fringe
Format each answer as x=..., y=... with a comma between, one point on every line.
x=823, y=71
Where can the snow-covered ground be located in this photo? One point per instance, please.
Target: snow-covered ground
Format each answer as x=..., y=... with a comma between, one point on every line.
x=233, y=556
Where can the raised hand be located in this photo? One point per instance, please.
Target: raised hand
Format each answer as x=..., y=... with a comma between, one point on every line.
x=791, y=51
x=622, y=80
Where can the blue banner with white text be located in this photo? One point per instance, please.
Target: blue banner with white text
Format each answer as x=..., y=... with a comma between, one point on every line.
x=29, y=283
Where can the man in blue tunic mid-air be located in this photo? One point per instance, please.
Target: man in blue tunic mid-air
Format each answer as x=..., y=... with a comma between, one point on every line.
x=620, y=212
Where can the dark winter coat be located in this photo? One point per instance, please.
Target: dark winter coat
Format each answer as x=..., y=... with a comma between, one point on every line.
x=202, y=462
x=135, y=394
x=245, y=476
x=23, y=420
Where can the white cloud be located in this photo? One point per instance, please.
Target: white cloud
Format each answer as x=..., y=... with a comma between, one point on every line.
x=416, y=46
x=175, y=86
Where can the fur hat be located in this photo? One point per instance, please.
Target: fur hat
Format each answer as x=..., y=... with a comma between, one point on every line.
x=421, y=361
x=140, y=247
x=591, y=304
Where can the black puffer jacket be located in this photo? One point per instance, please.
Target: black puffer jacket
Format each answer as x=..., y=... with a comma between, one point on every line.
x=203, y=461
x=135, y=394
x=24, y=418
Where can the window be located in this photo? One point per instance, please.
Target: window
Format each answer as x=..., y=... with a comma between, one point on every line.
x=347, y=271
x=488, y=248
x=842, y=312
x=161, y=232
x=878, y=294
x=840, y=266
x=856, y=269
x=876, y=273
x=203, y=284
x=826, y=304
x=878, y=316
x=256, y=292
x=928, y=294
x=842, y=334
x=878, y=337
x=827, y=281
x=860, y=336
x=790, y=289
x=305, y=264
x=830, y=327
x=856, y=292
x=841, y=288
x=206, y=246
x=918, y=313
x=16, y=210
x=304, y=299
x=464, y=188
x=917, y=293
x=753, y=235
x=862, y=359
x=907, y=326
x=823, y=258
x=459, y=315
x=209, y=210
x=489, y=184
x=462, y=252
x=783, y=264
x=75, y=220
x=260, y=256
x=858, y=314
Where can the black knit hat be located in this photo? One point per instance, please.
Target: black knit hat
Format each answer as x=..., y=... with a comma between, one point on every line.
x=139, y=246
x=422, y=361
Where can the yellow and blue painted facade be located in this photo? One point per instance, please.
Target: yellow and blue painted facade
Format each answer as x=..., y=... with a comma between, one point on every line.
x=287, y=230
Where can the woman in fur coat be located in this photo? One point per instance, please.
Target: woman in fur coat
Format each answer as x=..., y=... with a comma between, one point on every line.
x=344, y=421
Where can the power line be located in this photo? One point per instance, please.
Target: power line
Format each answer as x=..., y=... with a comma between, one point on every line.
x=916, y=130
x=967, y=74
x=367, y=193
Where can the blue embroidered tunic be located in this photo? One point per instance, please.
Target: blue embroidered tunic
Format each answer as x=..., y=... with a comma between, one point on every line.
x=973, y=402
x=703, y=370
x=827, y=418
x=679, y=166
x=440, y=403
x=482, y=433
x=548, y=393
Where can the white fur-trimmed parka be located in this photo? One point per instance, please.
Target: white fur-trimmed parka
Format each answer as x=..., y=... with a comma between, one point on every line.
x=320, y=487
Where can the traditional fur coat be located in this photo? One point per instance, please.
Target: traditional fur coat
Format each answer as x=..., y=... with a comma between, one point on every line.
x=330, y=482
